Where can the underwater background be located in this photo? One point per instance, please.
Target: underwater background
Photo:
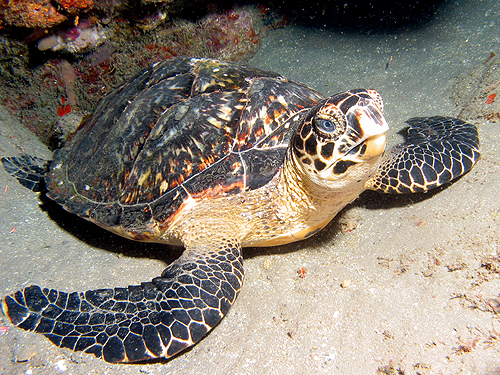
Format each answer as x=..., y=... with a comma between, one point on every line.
x=394, y=285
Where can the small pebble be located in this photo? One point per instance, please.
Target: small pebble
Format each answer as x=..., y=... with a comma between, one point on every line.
x=48, y=43
x=345, y=283
x=26, y=355
x=267, y=264
x=61, y=366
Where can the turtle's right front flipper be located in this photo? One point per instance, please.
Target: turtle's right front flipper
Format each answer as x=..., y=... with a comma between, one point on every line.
x=438, y=150
x=155, y=319
x=28, y=170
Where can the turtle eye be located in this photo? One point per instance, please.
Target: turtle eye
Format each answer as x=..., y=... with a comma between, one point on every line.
x=329, y=127
x=326, y=126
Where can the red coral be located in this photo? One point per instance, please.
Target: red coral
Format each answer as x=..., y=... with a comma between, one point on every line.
x=75, y=6
x=40, y=13
x=64, y=108
x=32, y=13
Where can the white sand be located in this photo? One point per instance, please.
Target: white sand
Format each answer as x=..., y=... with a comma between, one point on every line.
x=400, y=268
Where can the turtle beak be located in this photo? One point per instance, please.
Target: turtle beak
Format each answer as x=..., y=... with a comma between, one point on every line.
x=375, y=146
x=372, y=126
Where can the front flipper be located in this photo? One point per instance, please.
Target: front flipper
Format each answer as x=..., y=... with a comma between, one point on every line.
x=28, y=170
x=438, y=150
x=155, y=319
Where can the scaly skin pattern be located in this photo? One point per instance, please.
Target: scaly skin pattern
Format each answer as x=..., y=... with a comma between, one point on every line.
x=214, y=156
x=155, y=319
x=438, y=150
x=171, y=313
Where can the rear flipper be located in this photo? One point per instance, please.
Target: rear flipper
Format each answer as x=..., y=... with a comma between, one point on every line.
x=155, y=319
x=438, y=150
x=29, y=170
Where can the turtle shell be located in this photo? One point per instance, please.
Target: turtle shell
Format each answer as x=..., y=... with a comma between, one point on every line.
x=182, y=128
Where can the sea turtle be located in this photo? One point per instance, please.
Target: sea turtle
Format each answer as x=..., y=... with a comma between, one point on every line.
x=215, y=156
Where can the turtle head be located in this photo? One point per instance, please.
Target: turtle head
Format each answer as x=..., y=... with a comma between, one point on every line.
x=341, y=139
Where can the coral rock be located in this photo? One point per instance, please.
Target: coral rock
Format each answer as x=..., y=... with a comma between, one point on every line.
x=477, y=92
x=75, y=6
x=32, y=13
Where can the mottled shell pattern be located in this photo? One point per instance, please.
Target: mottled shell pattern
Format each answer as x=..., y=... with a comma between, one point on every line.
x=183, y=127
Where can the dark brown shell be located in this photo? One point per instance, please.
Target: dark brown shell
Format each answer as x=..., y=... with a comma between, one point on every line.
x=183, y=126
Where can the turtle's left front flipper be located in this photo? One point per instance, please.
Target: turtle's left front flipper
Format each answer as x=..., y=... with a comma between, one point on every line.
x=160, y=318
x=438, y=150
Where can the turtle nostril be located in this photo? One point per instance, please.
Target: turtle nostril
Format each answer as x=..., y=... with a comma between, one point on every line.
x=363, y=102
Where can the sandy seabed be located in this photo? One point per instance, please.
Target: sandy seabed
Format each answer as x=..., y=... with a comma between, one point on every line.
x=411, y=289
